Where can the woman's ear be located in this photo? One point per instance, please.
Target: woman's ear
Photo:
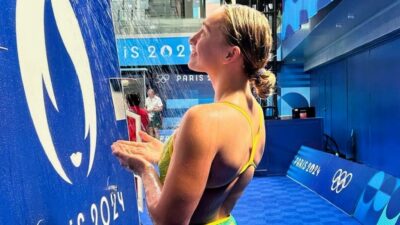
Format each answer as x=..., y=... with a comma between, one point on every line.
x=232, y=55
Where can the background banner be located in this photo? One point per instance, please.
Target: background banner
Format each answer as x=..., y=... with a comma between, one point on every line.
x=56, y=116
x=371, y=196
x=153, y=51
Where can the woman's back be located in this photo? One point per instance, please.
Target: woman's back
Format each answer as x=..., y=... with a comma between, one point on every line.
x=225, y=183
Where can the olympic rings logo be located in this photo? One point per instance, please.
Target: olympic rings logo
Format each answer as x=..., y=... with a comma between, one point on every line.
x=162, y=78
x=341, y=180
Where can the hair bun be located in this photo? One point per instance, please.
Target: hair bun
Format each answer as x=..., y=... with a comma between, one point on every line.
x=260, y=72
x=264, y=82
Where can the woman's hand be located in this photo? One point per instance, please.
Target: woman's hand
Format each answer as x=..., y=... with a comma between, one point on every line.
x=134, y=162
x=150, y=149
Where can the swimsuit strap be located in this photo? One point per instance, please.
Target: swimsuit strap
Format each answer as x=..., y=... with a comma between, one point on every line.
x=255, y=138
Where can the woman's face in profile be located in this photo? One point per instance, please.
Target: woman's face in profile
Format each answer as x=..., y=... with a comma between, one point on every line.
x=208, y=45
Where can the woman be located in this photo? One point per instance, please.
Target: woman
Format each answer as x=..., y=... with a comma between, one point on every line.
x=211, y=157
x=134, y=106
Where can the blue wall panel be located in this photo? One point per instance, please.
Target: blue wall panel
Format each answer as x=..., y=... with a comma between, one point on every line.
x=363, y=92
x=294, y=86
x=320, y=96
x=385, y=105
x=327, y=101
x=317, y=92
x=359, y=104
x=314, y=92
x=278, y=154
x=339, y=104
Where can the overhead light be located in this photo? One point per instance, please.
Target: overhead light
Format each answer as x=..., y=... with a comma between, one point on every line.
x=305, y=26
x=270, y=6
x=338, y=25
x=350, y=16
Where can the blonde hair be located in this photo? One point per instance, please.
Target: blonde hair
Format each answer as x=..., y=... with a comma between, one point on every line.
x=249, y=29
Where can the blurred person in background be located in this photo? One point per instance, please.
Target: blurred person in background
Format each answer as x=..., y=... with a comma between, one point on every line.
x=154, y=107
x=134, y=100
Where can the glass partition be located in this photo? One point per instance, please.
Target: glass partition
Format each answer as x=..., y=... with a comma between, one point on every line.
x=160, y=17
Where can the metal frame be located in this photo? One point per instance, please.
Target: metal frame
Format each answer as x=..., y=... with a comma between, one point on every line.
x=272, y=15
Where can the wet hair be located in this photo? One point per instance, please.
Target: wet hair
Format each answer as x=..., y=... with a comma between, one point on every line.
x=249, y=29
x=133, y=99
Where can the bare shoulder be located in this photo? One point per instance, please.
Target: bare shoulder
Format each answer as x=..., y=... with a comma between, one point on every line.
x=209, y=113
x=206, y=107
x=200, y=124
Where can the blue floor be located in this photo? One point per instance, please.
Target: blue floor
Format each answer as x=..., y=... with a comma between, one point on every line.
x=279, y=200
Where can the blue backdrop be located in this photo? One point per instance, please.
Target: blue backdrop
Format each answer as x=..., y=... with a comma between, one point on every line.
x=179, y=92
x=153, y=51
x=298, y=12
x=56, y=116
x=358, y=97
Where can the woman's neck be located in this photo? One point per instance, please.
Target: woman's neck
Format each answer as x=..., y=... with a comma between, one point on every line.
x=231, y=87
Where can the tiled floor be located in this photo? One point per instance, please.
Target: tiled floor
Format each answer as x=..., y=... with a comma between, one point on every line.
x=279, y=200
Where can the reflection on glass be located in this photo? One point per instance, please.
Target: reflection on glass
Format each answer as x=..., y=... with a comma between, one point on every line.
x=136, y=17
x=121, y=88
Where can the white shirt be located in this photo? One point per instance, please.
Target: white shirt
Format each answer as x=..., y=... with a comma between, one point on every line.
x=152, y=103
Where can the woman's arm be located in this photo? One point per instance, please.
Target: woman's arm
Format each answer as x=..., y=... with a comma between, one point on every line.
x=194, y=150
x=189, y=168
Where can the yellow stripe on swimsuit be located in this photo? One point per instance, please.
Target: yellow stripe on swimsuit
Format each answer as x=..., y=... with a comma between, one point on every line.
x=224, y=221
